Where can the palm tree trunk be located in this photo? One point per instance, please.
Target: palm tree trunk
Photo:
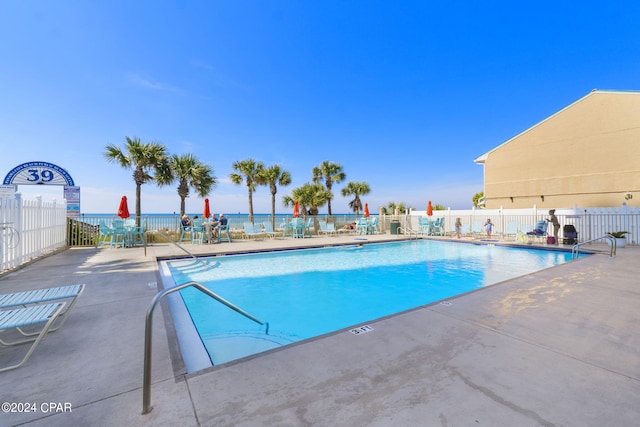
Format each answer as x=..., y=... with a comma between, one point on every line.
x=273, y=211
x=250, y=206
x=138, y=204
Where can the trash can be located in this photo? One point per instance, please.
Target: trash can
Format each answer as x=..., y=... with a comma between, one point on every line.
x=394, y=227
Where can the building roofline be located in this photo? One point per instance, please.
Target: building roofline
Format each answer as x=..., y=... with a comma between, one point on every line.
x=481, y=159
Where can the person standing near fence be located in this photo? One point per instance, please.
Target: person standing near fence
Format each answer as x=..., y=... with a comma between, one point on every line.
x=488, y=227
x=553, y=219
x=458, y=226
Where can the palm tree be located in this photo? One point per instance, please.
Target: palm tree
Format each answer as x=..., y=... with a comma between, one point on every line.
x=310, y=197
x=331, y=173
x=274, y=176
x=143, y=158
x=250, y=172
x=478, y=199
x=356, y=189
x=190, y=173
x=390, y=209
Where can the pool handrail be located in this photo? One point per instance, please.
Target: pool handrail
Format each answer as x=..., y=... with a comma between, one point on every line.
x=146, y=382
x=180, y=247
x=407, y=230
x=612, y=246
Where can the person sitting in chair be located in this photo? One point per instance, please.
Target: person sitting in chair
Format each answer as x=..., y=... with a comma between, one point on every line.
x=222, y=221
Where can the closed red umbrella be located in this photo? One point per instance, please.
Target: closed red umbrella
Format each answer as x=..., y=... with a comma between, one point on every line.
x=123, y=210
x=366, y=210
x=429, y=209
x=207, y=209
x=296, y=210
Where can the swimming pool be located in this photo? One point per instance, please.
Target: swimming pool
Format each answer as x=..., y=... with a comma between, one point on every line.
x=310, y=292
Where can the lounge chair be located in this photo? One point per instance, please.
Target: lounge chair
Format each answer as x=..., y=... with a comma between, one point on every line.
x=21, y=317
x=37, y=296
x=252, y=231
x=539, y=231
x=511, y=231
x=267, y=229
x=327, y=229
x=477, y=229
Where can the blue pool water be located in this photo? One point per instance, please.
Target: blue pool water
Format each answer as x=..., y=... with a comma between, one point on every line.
x=306, y=293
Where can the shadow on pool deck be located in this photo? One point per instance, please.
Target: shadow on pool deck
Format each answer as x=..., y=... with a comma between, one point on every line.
x=558, y=347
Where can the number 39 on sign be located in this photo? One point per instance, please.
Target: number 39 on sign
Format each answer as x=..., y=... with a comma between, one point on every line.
x=361, y=330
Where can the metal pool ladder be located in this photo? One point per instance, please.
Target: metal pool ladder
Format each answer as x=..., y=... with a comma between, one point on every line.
x=146, y=385
x=612, y=246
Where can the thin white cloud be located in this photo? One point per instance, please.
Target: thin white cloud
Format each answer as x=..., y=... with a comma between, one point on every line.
x=140, y=81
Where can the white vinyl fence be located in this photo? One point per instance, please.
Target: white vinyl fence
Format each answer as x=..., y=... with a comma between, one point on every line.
x=590, y=223
x=30, y=229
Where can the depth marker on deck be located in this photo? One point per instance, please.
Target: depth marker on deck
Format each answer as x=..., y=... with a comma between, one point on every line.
x=361, y=330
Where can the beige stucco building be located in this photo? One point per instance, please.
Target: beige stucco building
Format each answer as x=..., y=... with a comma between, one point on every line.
x=587, y=154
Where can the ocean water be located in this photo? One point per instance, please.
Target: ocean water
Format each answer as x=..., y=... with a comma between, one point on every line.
x=172, y=221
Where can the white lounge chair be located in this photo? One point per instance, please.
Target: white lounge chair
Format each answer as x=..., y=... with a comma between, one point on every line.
x=268, y=230
x=38, y=296
x=21, y=317
x=252, y=231
x=327, y=229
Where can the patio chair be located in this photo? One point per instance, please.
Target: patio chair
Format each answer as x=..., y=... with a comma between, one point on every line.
x=223, y=233
x=119, y=233
x=308, y=226
x=197, y=231
x=285, y=227
x=424, y=226
x=372, y=227
x=37, y=296
x=105, y=233
x=33, y=315
x=135, y=233
x=362, y=226
x=437, y=228
x=297, y=227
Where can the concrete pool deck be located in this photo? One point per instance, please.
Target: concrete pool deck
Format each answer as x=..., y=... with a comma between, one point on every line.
x=555, y=348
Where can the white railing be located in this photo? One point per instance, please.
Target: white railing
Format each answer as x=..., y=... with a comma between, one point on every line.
x=30, y=229
x=590, y=223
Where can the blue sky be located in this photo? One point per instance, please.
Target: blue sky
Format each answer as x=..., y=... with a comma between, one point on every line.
x=404, y=94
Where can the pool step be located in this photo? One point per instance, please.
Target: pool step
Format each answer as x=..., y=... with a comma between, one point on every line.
x=226, y=347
